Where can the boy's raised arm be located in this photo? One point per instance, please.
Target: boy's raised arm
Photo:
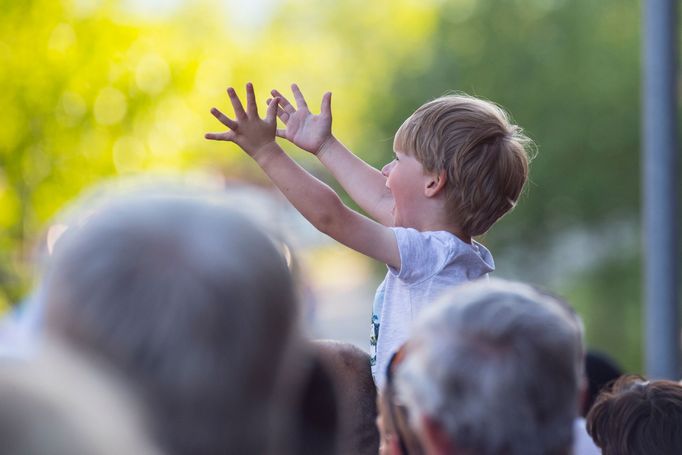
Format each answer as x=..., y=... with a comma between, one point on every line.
x=317, y=202
x=365, y=184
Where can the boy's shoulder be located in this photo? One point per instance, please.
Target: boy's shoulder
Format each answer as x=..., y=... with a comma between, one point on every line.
x=427, y=253
x=439, y=240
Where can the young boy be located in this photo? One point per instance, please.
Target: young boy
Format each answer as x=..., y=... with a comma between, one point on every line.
x=459, y=166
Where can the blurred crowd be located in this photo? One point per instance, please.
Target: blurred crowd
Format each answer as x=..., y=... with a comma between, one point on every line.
x=164, y=322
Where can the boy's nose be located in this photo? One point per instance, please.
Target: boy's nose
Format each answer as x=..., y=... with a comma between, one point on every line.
x=387, y=169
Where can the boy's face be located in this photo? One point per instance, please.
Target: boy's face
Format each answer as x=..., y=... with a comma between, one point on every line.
x=405, y=179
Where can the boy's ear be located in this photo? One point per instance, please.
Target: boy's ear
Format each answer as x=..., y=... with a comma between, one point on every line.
x=435, y=183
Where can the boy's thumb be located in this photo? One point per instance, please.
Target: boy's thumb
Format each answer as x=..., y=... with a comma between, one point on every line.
x=326, y=103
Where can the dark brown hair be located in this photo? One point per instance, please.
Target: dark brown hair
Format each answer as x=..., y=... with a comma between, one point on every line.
x=638, y=417
x=349, y=368
x=484, y=155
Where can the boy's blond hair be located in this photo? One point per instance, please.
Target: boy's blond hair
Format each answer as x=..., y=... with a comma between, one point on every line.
x=484, y=155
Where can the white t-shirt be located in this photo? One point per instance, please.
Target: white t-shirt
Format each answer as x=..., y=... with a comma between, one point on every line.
x=582, y=442
x=431, y=262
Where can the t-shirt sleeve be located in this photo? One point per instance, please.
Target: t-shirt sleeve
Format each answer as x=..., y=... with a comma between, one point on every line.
x=422, y=254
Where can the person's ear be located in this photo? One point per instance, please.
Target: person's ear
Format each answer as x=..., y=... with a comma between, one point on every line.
x=435, y=183
x=434, y=438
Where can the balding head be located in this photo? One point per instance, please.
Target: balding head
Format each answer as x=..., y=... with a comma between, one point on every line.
x=190, y=301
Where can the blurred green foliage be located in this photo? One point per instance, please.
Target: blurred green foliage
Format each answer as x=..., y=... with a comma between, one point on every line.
x=92, y=89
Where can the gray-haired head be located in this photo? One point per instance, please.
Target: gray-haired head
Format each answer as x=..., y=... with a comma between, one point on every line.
x=188, y=299
x=57, y=403
x=496, y=365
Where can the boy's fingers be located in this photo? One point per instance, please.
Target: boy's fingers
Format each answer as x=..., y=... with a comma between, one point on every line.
x=280, y=112
x=224, y=119
x=281, y=133
x=236, y=104
x=226, y=136
x=326, y=107
x=251, y=107
x=283, y=116
x=271, y=113
x=298, y=96
x=286, y=105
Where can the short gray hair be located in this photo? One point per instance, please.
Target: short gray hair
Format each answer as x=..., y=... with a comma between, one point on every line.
x=189, y=300
x=498, y=366
x=58, y=403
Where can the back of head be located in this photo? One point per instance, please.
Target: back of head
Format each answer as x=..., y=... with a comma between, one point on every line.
x=56, y=404
x=637, y=417
x=189, y=300
x=497, y=366
x=483, y=154
x=315, y=414
x=349, y=367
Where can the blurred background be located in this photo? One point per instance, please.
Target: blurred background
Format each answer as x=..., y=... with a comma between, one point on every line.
x=93, y=89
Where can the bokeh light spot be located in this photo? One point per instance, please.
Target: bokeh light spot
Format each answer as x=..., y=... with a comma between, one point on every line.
x=152, y=74
x=129, y=154
x=63, y=37
x=110, y=106
x=71, y=109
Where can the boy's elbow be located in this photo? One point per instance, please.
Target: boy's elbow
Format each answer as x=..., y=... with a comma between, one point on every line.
x=330, y=216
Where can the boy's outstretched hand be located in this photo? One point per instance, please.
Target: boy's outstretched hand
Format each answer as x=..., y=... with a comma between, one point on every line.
x=248, y=131
x=306, y=130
